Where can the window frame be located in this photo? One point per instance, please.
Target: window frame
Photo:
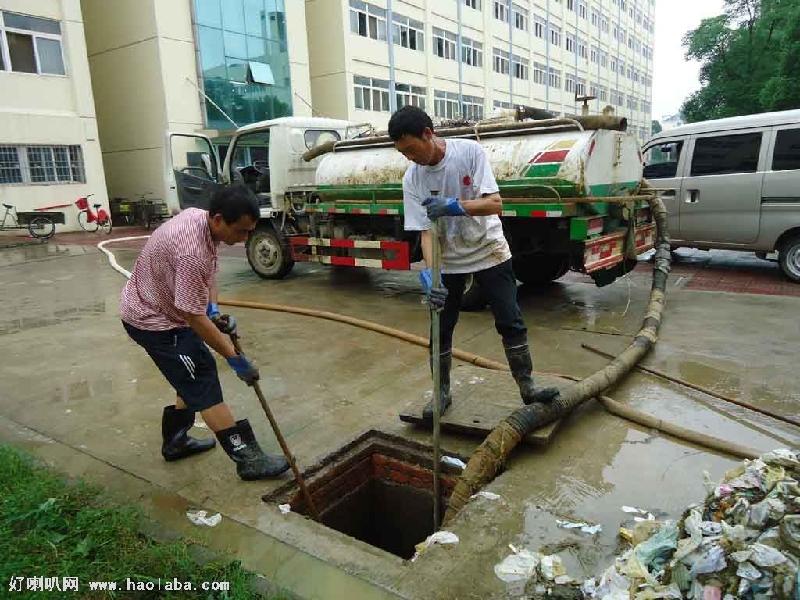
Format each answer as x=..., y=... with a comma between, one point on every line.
x=499, y=59
x=75, y=164
x=34, y=35
x=682, y=145
x=778, y=131
x=726, y=134
x=379, y=17
x=367, y=86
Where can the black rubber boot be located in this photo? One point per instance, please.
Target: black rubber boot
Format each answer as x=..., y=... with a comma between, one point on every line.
x=176, y=444
x=519, y=361
x=239, y=442
x=445, y=360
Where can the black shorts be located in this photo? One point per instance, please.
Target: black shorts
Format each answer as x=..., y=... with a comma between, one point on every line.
x=185, y=361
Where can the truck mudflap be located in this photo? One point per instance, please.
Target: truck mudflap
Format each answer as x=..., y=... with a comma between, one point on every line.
x=389, y=255
x=608, y=250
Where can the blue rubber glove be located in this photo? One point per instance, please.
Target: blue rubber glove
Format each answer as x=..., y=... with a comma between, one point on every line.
x=435, y=297
x=436, y=206
x=225, y=323
x=245, y=370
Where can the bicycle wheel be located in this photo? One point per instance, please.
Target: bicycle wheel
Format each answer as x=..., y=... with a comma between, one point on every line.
x=83, y=221
x=42, y=227
x=105, y=226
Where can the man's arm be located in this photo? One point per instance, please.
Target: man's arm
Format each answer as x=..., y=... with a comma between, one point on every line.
x=209, y=333
x=426, y=241
x=488, y=204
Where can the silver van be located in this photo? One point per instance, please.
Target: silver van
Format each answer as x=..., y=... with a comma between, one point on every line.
x=732, y=184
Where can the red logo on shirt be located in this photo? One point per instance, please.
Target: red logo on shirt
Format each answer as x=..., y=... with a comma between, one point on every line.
x=467, y=180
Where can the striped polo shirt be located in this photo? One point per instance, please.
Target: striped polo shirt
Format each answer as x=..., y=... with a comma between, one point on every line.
x=173, y=274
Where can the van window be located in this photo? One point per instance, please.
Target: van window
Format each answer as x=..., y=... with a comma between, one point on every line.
x=661, y=160
x=316, y=137
x=787, y=150
x=723, y=154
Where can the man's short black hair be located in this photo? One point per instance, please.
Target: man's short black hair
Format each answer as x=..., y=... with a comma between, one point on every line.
x=234, y=202
x=409, y=120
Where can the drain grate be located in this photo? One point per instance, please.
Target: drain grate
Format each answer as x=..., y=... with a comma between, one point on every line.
x=377, y=489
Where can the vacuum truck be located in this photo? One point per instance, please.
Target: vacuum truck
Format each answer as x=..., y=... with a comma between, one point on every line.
x=331, y=194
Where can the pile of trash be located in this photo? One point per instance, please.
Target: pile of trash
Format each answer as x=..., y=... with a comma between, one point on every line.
x=743, y=542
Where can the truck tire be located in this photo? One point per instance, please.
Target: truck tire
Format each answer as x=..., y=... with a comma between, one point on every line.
x=538, y=269
x=268, y=253
x=473, y=299
x=790, y=258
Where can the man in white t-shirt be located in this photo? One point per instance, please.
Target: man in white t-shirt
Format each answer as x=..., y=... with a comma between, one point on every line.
x=468, y=203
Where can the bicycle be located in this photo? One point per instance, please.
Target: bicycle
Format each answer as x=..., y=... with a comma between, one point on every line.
x=40, y=226
x=92, y=221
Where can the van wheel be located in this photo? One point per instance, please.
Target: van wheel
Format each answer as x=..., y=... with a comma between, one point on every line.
x=473, y=299
x=790, y=258
x=539, y=269
x=268, y=253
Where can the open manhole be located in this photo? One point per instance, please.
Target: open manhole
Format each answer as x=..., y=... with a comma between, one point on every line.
x=378, y=489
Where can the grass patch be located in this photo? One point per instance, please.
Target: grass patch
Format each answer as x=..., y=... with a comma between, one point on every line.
x=53, y=529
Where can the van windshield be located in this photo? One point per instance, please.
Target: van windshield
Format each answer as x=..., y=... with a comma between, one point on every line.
x=661, y=160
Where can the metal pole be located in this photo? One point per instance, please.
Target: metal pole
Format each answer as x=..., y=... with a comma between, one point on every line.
x=547, y=35
x=510, y=54
x=286, y=452
x=436, y=276
x=460, y=50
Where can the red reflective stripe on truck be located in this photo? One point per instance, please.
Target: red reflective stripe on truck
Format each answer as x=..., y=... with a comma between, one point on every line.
x=551, y=156
x=401, y=260
x=342, y=243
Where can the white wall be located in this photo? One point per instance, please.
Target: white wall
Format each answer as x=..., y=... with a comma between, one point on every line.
x=53, y=109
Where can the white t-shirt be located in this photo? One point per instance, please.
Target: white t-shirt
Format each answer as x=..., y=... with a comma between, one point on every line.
x=471, y=244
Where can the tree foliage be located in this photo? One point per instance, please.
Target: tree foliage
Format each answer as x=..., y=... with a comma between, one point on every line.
x=750, y=57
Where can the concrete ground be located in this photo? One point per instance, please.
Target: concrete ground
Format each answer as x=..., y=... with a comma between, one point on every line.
x=78, y=393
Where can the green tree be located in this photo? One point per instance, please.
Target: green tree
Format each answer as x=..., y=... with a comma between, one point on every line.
x=749, y=57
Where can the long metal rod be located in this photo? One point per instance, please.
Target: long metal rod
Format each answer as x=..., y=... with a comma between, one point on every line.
x=436, y=276
x=286, y=452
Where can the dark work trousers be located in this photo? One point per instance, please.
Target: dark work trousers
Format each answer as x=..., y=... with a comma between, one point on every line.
x=500, y=287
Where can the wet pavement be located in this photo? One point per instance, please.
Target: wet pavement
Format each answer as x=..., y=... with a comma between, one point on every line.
x=77, y=392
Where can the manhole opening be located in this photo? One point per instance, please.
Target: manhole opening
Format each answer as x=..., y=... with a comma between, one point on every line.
x=377, y=489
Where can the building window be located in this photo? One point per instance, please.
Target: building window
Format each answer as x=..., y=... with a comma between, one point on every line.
x=501, y=104
x=580, y=87
x=520, y=66
x=569, y=83
x=444, y=43
x=539, y=73
x=410, y=95
x=613, y=64
x=501, y=10
x=408, y=33
x=604, y=24
x=570, y=42
x=472, y=108
x=582, y=9
x=445, y=105
x=472, y=52
x=539, y=25
x=371, y=93
x=520, y=18
x=554, y=78
x=555, y=35
x=603, y=59
x=501, y=62
x=583, y=50
x=594, y=55
x=621, y=67
x=41, y=164
x=570, y=4
x=367, y=20
x=593, y=89
x=30, y=44
x=595, y=18
x=476, y=4
x=603, y=94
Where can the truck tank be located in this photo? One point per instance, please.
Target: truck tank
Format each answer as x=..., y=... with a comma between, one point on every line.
x=526, y=163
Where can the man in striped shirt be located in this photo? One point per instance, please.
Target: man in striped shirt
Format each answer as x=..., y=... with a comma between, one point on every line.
x=169, y=307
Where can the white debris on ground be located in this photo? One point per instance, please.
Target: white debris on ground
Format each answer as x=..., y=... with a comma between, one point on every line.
x=201, y=517
x=452, y=461
x=440, y=537
x=742, y=542
x=583, y=527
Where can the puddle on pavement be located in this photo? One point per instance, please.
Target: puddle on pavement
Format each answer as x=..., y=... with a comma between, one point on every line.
x=377, y=489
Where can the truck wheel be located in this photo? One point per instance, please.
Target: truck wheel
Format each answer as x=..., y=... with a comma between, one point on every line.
x=539, y=269
x=473, y=299
x=268, y=253
x=790, y=258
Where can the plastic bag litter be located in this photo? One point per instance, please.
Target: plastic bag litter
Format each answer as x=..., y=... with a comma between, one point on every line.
x=584, y=527
x=766, y=556
x=613, y=586
x=440, y=537
x=747, y=570
x=709, y=558
x=633, y=510
x=285, y=508
x=200, y=517
x=487, y=495
x=518, y=567
x=656, y=551
x=551, y=567
x=452, y=461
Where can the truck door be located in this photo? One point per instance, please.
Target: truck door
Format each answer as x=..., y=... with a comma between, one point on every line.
x=193, y=170
x=663, y=166
x=720, y=197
